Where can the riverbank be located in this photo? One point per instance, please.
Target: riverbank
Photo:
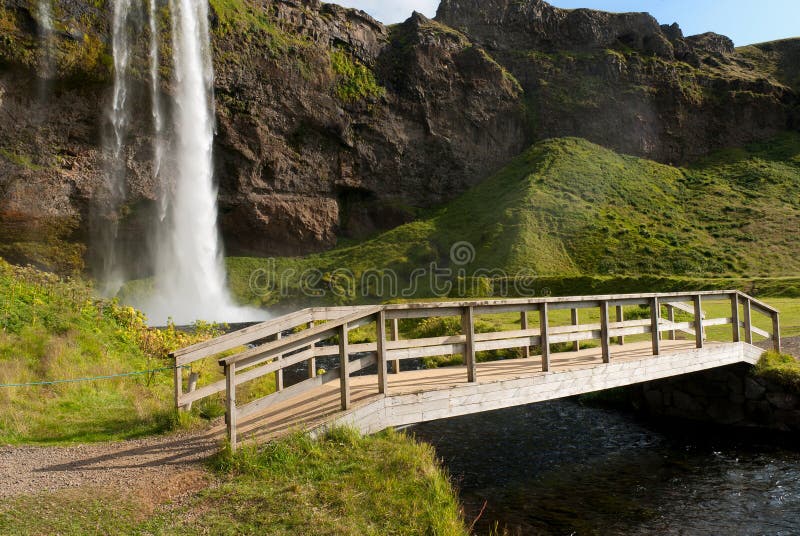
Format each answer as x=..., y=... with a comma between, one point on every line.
x=342, y=483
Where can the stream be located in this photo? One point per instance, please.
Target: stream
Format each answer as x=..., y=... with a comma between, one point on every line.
x=565, y=468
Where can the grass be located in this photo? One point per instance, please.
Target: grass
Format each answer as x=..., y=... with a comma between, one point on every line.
x=571, y=213
x=342, y=483
x=780, y=368
x=54, y=329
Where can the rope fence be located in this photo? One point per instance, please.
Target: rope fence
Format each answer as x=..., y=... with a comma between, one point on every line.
x=94, y=378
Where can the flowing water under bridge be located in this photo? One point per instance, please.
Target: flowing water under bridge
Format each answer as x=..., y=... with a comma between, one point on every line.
x=622, y=340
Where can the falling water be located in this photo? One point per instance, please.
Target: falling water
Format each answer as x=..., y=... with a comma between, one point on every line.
x=190, y=275
x=46, y=37
x=111, y=275
x=158, y=117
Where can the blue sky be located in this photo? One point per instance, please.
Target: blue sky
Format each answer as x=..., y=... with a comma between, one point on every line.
x=744, y=21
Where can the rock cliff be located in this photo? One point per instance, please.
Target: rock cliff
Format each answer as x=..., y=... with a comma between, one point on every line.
x=332, y=125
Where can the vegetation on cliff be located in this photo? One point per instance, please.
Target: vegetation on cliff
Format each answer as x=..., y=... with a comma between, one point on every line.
x=568, y=207
x=780, y=368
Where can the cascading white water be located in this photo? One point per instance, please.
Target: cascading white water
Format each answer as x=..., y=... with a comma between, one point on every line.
x=190, y=275
x=111, y=275
x=158, y=117
x=46, y=36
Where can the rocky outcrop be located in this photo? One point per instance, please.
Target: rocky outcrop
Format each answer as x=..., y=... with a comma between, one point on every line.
x=626, y=82
x=731, y=396
x=329, y=123
x=332, y=125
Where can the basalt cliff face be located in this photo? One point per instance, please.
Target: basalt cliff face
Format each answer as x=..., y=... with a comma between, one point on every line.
x=332, y=125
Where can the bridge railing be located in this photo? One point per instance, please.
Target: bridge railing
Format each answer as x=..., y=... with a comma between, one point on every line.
x=273, y=346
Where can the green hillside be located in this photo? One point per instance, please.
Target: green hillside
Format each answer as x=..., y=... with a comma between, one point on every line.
x=567, y=207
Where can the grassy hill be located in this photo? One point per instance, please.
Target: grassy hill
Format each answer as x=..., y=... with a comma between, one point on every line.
x=567, y=208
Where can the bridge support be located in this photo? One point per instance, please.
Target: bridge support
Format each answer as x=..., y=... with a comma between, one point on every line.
x=230, y=403
x=468, y=328
x=604, y=328
x=698, y=321
x=736, y=326
x=380, y=335
x=544, y=330
x=344, y=366
x=523, y=324
x=395, y=337
x=576, y=346
x=655, y=318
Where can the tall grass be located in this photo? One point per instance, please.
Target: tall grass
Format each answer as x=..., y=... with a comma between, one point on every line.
x=54, y=329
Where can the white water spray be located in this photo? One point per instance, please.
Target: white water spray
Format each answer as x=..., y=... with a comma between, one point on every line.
x=46, y=36
x=115, y=190
x=158, y=114
x=190, y=275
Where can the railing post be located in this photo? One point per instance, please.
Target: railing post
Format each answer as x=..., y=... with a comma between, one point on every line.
x=523, y=324
x=193, y=379
x=544, y=332
x=395, y=334
x=178, y=377
x=620, y=318
x=776, y=331
x=344, y=366
x=604, y=332
x=698, y=321
x=279, y=372
x=671, y=318
x=576, y=346
x=230, y=403
x=468, y=328
x=312, y=361
x=748, y=321
x=737, y=337
x=380, y=336
x=655, y=315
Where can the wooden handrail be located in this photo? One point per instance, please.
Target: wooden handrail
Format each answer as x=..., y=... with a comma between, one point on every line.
x=295, y=348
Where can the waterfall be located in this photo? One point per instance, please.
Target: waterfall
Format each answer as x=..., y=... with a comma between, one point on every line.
x=158, y=113
x=46, y=37
x=190, y=281
x=114, y=189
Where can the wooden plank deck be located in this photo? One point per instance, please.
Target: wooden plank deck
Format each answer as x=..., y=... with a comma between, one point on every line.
x=317, y=407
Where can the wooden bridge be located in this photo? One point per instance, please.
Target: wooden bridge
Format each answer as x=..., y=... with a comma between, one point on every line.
x=668, y=335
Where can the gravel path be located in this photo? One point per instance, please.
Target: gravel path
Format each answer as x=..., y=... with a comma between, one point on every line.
x=163, y=466
x=168, y=465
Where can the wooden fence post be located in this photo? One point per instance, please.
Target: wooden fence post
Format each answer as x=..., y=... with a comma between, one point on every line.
x=748, y=321
x=544, y=332
x=604, y=332
x=178, y=377
x=698, y=321
x=655, y=315
x=776, y=331
x=468, y=329
x=395, y=335
x=380, y=336
x=312, y=361
x=736, y=327
x=576, y=346
x=344, y=366
x=230, y=403
x=523, y=323
x=279, y=372
x=671, y=317
x=193, y=379
x=620, y=318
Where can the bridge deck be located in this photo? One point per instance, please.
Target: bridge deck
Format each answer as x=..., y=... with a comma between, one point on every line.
x=321, y=405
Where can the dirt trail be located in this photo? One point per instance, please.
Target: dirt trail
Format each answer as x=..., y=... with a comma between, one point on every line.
x=157, y=462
